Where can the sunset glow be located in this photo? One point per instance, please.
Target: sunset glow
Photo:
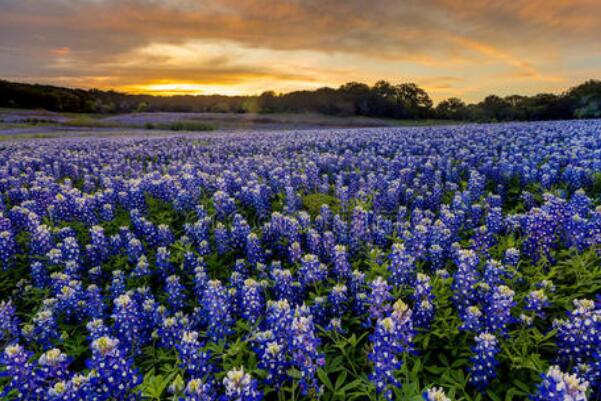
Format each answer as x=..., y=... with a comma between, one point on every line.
x=246, y=47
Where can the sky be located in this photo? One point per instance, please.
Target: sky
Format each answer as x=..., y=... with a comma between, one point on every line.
x=450, y=48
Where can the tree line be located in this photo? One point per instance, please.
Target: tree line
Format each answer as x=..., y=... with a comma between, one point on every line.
x=383, y=99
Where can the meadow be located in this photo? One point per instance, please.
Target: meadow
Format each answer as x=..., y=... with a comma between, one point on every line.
x=22, y=122
x=389, y=263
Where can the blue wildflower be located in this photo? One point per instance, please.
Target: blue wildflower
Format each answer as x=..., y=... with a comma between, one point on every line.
x=559, y=386
x=304, y=351
x=484, y=363
x=112, y=374
x=241, y=386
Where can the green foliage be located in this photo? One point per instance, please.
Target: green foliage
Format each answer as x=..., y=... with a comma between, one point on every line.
x=384, y=99
x=154, y=386
x=182, y=125
x=89, y=122
x=313, y=202
x=596, y=187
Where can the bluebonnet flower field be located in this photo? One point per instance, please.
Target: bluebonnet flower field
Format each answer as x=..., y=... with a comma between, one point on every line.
x=430, y=263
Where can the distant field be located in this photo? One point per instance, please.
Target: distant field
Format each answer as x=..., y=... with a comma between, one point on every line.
x=31, y=121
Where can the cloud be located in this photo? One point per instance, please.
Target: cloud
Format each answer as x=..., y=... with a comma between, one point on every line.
x=60, y=51
x=253, y=45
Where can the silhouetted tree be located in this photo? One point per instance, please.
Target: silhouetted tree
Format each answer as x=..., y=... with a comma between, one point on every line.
x=415, y=101
x=383, y=99
x=586, y=99
x=452, y=109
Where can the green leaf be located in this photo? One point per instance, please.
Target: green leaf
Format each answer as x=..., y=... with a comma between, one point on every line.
x=521, y=385
x=493, y=396
x=323, y=376
x=351, y=385
x=437, y=370
x=340, y=380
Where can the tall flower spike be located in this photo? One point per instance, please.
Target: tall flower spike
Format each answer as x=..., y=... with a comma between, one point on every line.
x=273, y=359
x=342, y=267
x=216, y=305
x=303, y=347
x=240, y=386
x=113, y=376
x=497, y=312
x=465, y=279
x=424, y=306
x=9, y=322
x=8, y=249
x=15, y=361
x=254, y=252
x=578, y=335
x=384, y=356
x=338, y=299
x=311, y=271
x=196, y=390
x=402, y=267
x=129, y=323
x=194, y=359
x=175, y=292
x=379, y=298
x=484, y=364
x=435, y=394
x=393, y=336
x=253, y=303
x=559, y=386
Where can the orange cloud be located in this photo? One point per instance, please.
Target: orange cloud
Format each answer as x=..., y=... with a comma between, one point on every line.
x=247, y=46
x=524, y=68
x=60, y=51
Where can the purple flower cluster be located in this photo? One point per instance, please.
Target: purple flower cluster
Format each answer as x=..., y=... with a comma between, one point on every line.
x=203, y=244
x=484, y=362
x=392, y=337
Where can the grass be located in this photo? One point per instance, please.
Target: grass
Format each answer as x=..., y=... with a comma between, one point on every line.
x=424, y=123
x=211, y=121
x=89, y=122
x=27, y=123
x=6, y=138
x=183, y=125
x=313, y=202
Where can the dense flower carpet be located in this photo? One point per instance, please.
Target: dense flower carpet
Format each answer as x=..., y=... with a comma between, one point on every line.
x=446, y=263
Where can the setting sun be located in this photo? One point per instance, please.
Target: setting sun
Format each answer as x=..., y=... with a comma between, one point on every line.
x=220, y=46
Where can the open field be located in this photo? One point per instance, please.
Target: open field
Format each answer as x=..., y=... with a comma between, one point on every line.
x=336, y=264
x=34, y=121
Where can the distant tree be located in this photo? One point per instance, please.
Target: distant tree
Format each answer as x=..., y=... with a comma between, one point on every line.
x=543, y=106
x=516, y=109
x=495, y=108
x=383, y=99
x=107, y=108
x=355, y=88
x=142, y=107
x=585, y=99
x=415, y=101
x=451, y=109
x=267, y=102
x=250, y=105
x=384, y=89
x=358, y=93
x=221, y=107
